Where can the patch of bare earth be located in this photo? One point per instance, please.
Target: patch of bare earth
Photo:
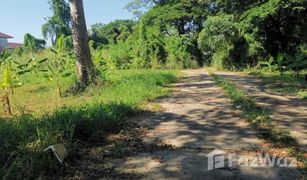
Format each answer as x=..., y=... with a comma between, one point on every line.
x=173, y=141
x=288, y=111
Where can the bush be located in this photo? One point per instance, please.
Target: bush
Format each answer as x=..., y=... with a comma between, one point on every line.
x=222, y=44
x=120, y=55
x=178, y=55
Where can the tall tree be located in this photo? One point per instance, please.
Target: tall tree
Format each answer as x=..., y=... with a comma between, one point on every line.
x=85, y=66
x=59, y=23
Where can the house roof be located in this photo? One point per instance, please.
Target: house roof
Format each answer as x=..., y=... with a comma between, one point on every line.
x=2, y=35
x=14, y=45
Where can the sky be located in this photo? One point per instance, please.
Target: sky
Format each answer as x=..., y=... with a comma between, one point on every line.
x=27, y=16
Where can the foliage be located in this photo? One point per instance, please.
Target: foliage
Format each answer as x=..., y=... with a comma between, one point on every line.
x=31, y=44
x=166, y=23
x=12, y=69
x=120, y=55
x=24, y=137
x=60, y=65
x=8, y=81
x=297, y=62
x=178, y=56
x=225, y=34
x=221, y=43
x=277, y=25
x=113, y=32
x=59, y=23
x=101, y=64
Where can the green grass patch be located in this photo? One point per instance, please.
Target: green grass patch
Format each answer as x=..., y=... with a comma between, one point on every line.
x=73, y=120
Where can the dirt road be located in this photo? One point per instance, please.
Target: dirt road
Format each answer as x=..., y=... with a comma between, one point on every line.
x=288, y=111
x=197, y=119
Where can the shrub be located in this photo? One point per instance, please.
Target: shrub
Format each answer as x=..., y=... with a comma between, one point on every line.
x=120, y=55
x=221, y=42
x=178, y=55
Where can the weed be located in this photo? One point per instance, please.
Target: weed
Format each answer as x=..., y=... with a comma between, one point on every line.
x=79, y=120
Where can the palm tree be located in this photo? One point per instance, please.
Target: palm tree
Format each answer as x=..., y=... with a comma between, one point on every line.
x=85, y=66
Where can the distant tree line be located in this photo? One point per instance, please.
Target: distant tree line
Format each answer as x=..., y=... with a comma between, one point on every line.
x=227, y=34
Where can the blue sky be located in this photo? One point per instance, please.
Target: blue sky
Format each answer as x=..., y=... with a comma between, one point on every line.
x=27, y=16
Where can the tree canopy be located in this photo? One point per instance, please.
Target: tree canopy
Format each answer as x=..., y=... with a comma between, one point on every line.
x=231, y=34
x=59, y=23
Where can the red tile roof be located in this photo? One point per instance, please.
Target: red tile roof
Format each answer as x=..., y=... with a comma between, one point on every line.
x=14, y=45
x=2, y=35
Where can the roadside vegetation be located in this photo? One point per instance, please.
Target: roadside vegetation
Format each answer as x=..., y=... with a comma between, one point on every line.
x=47, y=119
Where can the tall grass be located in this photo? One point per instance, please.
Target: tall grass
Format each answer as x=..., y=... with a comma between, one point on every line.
x=78, y=120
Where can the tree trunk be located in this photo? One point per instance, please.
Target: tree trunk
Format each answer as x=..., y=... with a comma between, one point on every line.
x=85, y=67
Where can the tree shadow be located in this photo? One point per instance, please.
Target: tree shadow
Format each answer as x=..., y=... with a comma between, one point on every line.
x=198, y=121
x=289, y=112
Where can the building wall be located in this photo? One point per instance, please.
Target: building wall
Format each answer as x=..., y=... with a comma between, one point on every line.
x=3, y=42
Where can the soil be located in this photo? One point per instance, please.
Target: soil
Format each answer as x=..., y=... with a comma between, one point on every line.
x=174, y=141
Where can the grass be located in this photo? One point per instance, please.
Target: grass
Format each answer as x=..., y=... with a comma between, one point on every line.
x=260, y=117
x=33, y=95
x=284, y=84
x=42, y=119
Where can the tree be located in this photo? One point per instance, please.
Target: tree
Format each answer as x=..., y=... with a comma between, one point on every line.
x=30, y=43
x=112, y=32
x=85, y=66
x=138, y=7
x=181, y=20
x=277, y=25
x=59, y=23
x=221, y=43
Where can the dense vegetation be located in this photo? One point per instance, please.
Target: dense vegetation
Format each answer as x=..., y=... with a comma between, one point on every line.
x=44, y=103
x=224, y=34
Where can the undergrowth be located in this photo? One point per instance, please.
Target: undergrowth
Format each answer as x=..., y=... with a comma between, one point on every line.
x=24, y=137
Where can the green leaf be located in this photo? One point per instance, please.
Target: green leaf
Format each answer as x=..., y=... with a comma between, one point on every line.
x=66, y=74
x=24, y=72
x=54, y=51
x=43, y=70
x=18, y=63
x=30, y=60
x=42, y=61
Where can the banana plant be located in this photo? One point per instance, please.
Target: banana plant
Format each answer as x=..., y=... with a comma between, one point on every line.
x=99, y=62
x=60, y=65
x=9, y=81
x=32, y=65
x=269, y=64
